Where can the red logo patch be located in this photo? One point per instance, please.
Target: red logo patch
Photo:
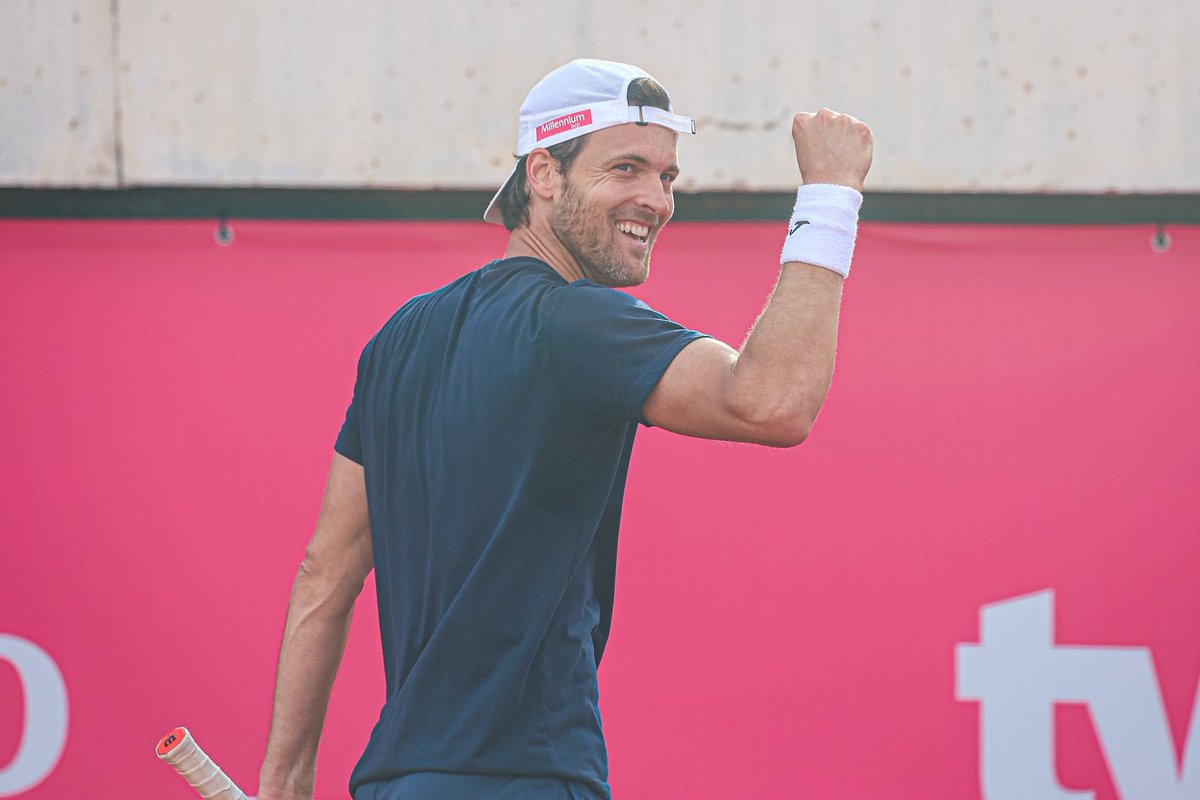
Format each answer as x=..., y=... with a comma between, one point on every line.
x=566, y=122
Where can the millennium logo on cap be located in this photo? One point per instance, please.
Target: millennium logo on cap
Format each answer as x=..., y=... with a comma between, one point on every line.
x=566, y=122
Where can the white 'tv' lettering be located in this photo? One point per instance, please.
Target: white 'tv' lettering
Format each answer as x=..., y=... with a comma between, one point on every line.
x=45, y=731
x=1017, y=673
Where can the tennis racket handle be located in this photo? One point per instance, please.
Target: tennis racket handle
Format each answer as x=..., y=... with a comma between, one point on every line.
x=180, y=750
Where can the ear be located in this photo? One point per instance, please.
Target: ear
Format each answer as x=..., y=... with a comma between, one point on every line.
x=541, y=174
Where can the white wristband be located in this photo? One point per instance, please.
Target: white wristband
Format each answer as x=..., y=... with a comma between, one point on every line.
x=823, y=227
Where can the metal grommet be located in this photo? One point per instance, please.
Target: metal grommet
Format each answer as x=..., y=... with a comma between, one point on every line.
x=224, y=233
x=1161, y=240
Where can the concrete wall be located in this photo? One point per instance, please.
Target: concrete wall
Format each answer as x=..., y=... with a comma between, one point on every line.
x=966, y=95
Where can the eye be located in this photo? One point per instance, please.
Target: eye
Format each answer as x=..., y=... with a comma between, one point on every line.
x=624, y=167
x=668, y=177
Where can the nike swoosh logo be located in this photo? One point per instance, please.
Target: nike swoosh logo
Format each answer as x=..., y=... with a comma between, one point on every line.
x=796, y=227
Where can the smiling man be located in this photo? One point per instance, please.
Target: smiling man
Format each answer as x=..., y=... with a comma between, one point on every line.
x=481, y=467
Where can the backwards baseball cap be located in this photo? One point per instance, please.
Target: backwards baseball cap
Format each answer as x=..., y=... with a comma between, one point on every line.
x=579, y=98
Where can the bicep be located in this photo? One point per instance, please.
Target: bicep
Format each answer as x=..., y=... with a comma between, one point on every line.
x=340, y=550
x=694, y=396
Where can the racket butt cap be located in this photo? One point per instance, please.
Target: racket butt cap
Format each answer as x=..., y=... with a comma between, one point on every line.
x=171, y=741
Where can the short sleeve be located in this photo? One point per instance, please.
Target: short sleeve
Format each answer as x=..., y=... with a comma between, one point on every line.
x=608, y=350
x=349, y=439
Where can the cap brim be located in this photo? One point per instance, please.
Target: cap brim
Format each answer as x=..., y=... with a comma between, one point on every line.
x=492, y=214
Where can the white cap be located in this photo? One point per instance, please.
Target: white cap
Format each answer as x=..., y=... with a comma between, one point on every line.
x=577, y=99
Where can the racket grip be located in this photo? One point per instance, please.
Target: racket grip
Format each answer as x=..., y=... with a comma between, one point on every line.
x=180, y=750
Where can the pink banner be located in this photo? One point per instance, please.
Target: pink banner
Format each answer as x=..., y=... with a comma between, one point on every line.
x=980, y=577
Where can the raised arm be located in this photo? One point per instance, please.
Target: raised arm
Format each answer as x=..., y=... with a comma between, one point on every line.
x=337, y=561
x=771, y=390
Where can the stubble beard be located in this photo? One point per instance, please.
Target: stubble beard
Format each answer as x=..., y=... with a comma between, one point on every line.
x=588, y=237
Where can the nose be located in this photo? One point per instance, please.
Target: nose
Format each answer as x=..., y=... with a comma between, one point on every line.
x=656, y=197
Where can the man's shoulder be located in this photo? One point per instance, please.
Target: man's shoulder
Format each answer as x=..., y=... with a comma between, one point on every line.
x=584, y=299
x=498, y=289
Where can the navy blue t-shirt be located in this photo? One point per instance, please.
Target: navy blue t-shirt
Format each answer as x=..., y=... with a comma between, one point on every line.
x=495, y=418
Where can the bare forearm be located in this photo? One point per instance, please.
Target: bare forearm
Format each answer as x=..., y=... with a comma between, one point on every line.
x=314, y=640
x=785, y=366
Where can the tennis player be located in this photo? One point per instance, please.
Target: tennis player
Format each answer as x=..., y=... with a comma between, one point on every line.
x=482, y=461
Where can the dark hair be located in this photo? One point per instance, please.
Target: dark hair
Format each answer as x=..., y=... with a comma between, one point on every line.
x=514, y=200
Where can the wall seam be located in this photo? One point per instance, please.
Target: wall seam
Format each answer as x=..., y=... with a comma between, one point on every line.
x=118, y=131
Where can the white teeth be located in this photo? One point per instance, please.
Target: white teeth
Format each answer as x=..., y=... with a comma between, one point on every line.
x=640, y=231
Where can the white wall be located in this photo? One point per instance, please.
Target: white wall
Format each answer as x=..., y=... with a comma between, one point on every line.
x=56, y=94
x=1021, y=95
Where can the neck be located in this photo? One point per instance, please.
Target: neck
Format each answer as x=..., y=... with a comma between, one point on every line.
x=538, y=241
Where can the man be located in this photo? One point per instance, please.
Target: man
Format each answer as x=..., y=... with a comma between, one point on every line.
x=482, y=463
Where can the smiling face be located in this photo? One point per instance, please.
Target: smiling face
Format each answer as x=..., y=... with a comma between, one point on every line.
x=613, y=201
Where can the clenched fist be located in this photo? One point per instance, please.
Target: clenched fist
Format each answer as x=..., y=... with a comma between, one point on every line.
x=832, y=148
